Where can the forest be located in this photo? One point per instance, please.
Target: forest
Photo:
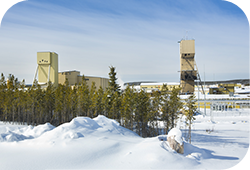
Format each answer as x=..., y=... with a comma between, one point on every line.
x=136, y=110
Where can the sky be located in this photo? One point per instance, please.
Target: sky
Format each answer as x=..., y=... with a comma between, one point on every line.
x=138, y=37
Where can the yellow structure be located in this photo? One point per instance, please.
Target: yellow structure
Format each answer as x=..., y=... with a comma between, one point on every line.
x=188, y=73
x=222, y=89
x=75, y=78
x=72, y=76
x=47, y=68
x=149, y=87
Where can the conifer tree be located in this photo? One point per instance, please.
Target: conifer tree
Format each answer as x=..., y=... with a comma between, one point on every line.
x=83, y=94
x=128, y=107
x=165, y=107
x=113, y=86
x=189, y=113
x=20, y=98
x=142, y=111
x=9, y=105
x=92, y=100
x=57, y=117
x=114, y=112
x=156, y=102
x=66, y=102
x=49, y=100
x=175, y=105
x=73, y=102
x=3, y=87
x=98, y=102
x=113, y=96
x=32, y=103
x=106, y=102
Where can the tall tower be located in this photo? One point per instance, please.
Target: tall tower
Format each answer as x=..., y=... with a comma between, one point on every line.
x=188, y=73
x=47, y=68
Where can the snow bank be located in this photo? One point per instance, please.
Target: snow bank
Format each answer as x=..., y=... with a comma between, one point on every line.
x=101, y=143
x=24, y=133
x=78, y=127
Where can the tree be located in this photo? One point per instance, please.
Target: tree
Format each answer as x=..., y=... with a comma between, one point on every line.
x=165, y=107
x=98, y=102
x=128, y=107
x=83, y=101
x=73, y=102
x=113, y=92
x=49, y=100
x=113, y=86
x=175, y=105
x=142, y=112
x=3, y=87
x=92, y=98
x=156, y=102
x=189, y=113
x=57, y=117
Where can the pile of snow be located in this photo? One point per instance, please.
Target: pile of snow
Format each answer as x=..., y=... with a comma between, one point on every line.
x=101, y=143
x=177, y=135
x=29, y=132
x=76, y=128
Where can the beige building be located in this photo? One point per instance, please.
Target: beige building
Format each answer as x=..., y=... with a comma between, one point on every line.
x=75, y=78
x=150, y=87
x=47, y=68
x=188, y=73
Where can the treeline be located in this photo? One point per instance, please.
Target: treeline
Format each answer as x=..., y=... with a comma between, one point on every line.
x=135, y=110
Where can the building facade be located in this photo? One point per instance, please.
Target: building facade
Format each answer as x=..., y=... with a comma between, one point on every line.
x=47, y=68
x=74, y=78
x=187, y=73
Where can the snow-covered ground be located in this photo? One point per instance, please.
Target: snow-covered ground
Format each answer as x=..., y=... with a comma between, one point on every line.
x=101, y=143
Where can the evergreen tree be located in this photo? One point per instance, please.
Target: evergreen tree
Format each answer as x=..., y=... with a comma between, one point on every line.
x=128, y=108
x=83, y=101
x=113, y=97
x=98, y=102
x=175, y=105
x=106, y=102
x=165, y=107
x=142, y=112
x=92, y=99
x=66, y=101
x=156, y=102
x=73, y=102
x=9, y=104
x=20, y=98
x=114, y=112
x=49, y=100
x=3, y=88
x=113, y=86
x=189, y=113
x=57, y=117
x=33, y=99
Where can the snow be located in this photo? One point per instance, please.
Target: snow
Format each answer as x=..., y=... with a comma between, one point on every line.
x=177, y=135
x=102, y=143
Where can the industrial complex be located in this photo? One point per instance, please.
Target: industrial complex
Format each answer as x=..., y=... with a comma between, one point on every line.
x=215, y=94
x=47, y=70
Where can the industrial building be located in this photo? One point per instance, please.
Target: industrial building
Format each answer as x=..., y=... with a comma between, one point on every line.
x=150, y=87
x=47, y=70
x=74, y=78
x=188, y=73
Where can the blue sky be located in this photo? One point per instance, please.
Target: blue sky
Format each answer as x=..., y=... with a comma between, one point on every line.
x=138, y=37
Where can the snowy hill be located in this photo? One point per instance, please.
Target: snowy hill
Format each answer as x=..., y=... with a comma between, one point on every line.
x=102, y=143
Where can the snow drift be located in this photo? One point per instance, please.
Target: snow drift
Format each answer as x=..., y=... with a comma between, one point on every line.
x=103, y=144
x=76, y=128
